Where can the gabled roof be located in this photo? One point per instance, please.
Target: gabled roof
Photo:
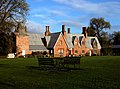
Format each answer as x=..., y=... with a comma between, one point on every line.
x=80, y=39
x=53, y=39
x=35, y=42
x=35, y=39
x=89, y=40
x=71, y=37
x=47, y=39
x=37, y=48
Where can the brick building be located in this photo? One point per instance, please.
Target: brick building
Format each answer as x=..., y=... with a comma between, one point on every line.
x=58, y=44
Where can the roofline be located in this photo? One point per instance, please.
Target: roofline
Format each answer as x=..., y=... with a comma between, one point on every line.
x=63, y=38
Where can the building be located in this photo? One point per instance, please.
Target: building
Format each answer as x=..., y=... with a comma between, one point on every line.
x=57, y=44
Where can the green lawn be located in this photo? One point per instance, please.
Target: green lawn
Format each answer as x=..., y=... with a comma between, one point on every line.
x=95, y=73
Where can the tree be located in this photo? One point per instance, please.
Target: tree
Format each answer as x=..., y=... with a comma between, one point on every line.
x=91, y=31
x=12, y=12
x=96, y=27
x=116, y=38
x=106, y=43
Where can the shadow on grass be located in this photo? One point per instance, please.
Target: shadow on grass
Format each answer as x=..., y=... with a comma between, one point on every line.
x=2, y=65
x=6, y=84
x=53, y=69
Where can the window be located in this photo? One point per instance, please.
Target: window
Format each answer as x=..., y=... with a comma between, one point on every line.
x=60, y=51
x=60, y=42
x=95, y=51
x=83, y=43
x=76, y=43
x=95, y=44
x=83, y=51
x=76, y=51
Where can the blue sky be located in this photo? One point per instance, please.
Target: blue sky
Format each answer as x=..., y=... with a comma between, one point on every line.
x=73, y=13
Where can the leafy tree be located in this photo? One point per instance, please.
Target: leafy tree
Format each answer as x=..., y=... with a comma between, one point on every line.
x=91, y=31
x=116, y=38
x=96, y=27
x=106, y=43
x=12, y=12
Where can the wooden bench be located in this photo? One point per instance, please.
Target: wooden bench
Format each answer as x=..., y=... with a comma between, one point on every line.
x=57, y=62
x=72, y=61
x=46, y=61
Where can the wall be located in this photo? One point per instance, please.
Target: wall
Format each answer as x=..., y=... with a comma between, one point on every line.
x=22, y=43
x=60, y=48
x=76, y=47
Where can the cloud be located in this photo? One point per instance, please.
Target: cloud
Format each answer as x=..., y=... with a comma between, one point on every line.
x=48, y=12
x=57, y=13
x=38, y=15
x=100, y=9
x=72, y=23
x=34, y=27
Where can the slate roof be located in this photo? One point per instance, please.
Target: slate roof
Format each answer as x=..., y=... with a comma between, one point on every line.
x=47, y=39
x=53, y=38
x=35, y=42
x=89, y=41
x=80, y=39
x=35, y=39
x=71, y=37
x=37, y=48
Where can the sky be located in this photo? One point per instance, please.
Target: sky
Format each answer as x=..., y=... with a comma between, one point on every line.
x=73, y=13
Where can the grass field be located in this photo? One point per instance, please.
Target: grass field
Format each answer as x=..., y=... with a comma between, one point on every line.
x=95, y=73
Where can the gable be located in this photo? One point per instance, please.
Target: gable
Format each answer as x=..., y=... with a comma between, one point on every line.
x=53, y=39
x=90, y=41
x=60, y=41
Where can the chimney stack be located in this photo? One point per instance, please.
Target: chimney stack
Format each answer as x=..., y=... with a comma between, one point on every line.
x=85, y=32
x=47, y=32
x=63, y=28
x=63, y=31
x=68, y=30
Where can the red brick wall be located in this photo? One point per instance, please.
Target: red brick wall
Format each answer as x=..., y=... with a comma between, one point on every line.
x=76, y=47
x=79, y=48
x=60, y=46
x=83, y=46
x=22, y=43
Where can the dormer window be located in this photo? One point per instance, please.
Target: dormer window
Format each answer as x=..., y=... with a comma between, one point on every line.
x=83, y=43
x=94, y=44
x=76, y=43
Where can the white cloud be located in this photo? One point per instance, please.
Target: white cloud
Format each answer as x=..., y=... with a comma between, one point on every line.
x=34, y=27
x=38, y=15
x=57, y=12
x=102, y=8
x=72, y=23
x=48, y=12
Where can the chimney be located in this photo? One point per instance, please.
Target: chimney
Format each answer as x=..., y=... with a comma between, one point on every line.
x=85, y=32
x=63, y=31
x=68, y=30
x=47, y=32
